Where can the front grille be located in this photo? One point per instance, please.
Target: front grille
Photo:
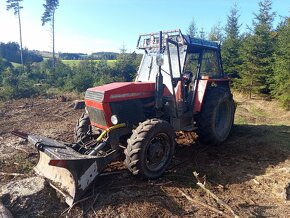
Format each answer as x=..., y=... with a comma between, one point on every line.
x=97, y=116
x=128, y=111
x=94, y=96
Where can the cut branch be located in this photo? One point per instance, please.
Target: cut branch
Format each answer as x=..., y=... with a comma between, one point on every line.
x=11, y=174
x=203, y=204
x=213, y=195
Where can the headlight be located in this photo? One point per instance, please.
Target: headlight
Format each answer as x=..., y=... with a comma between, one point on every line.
x=114, y=119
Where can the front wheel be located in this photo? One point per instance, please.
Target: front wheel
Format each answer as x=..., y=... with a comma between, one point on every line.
x=150, y=148
x=83, y=129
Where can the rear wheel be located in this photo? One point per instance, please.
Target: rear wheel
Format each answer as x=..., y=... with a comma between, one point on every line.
x=216, y=118
x=150, y=148
x=83, y=129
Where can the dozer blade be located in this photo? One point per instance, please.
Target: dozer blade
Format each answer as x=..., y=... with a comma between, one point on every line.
x=69, y=172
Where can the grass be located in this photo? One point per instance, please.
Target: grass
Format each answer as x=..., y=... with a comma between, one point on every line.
x=258, y=112
x=15, y=64
x=72, y=63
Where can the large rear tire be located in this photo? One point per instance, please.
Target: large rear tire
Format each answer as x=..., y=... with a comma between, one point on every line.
x=150, y=148
x=83, y=129
x=216, y=118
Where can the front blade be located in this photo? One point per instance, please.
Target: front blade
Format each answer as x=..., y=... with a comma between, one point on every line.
x=69, y=172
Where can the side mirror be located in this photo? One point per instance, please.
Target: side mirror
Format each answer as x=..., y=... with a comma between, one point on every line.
x=187, y=77
x=159, y=59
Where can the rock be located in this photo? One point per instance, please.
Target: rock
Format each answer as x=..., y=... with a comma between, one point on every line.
x=63, y=98
x=30, y=197
x=4, y=212
x=79, y=104
x=23, y=188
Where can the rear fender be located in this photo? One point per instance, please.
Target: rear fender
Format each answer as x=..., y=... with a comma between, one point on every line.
x=202, y=86
x=199, y=94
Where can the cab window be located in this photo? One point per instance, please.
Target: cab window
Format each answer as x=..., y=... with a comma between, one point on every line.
x=210, y=65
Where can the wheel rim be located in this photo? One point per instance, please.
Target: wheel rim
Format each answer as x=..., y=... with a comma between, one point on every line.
x=157, y=152
x=222, y=123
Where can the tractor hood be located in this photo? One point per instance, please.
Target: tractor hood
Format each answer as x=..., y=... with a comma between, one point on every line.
x=119, y=99
x=122, y=91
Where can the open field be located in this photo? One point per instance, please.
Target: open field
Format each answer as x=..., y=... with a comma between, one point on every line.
x=250, y=172
x=72, y=63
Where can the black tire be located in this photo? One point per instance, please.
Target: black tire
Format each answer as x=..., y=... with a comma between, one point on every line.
x=150, y=148
x=83, y=129
x=216, y=118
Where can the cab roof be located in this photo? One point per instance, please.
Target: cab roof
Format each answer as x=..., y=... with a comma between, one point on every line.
x=151, y=41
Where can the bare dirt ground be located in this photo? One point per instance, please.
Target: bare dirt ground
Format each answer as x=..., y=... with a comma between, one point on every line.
x=250, y=172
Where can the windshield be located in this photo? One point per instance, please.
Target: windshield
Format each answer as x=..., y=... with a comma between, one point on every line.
x=149, y=68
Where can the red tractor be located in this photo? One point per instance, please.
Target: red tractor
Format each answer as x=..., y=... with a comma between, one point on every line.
x=180, y=86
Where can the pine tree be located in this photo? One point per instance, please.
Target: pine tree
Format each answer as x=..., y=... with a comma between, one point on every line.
x=14, y=4
x=48, y=15
x=258, y=49
x=192, y=29
x=216, y=33
x=281, y=78
x=232, y=44
x=202, y=33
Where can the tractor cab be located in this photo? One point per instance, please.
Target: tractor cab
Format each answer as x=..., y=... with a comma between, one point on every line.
x=184, y=65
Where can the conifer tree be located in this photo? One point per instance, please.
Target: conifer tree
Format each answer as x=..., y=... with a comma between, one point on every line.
x=281, y=78
x=15, y=5
x=258, y=49
x=48, y=15
x=232, y=44
x=192, y=29
x=216, y=33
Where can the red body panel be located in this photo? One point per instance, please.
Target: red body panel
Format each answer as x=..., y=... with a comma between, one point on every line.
x=120, y=91
x=103, y=107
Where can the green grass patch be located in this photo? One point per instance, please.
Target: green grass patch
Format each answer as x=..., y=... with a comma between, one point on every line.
x=72, y=63
x=15, y=64
x=241, y=120
x=258, y=112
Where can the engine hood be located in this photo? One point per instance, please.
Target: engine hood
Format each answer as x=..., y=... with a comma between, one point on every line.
x=121, y=91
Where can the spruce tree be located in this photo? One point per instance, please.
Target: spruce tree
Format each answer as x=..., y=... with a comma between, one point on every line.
x=258, y=49
x=216, y=33
x=281, y=78
x=232, y=44
x=192, y=29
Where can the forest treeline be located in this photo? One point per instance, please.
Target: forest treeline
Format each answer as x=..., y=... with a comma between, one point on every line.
x=47, y=77
x=258, y=60
x=11, y=52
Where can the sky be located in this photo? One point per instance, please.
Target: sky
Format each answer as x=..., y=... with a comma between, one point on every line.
x=108, y=25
